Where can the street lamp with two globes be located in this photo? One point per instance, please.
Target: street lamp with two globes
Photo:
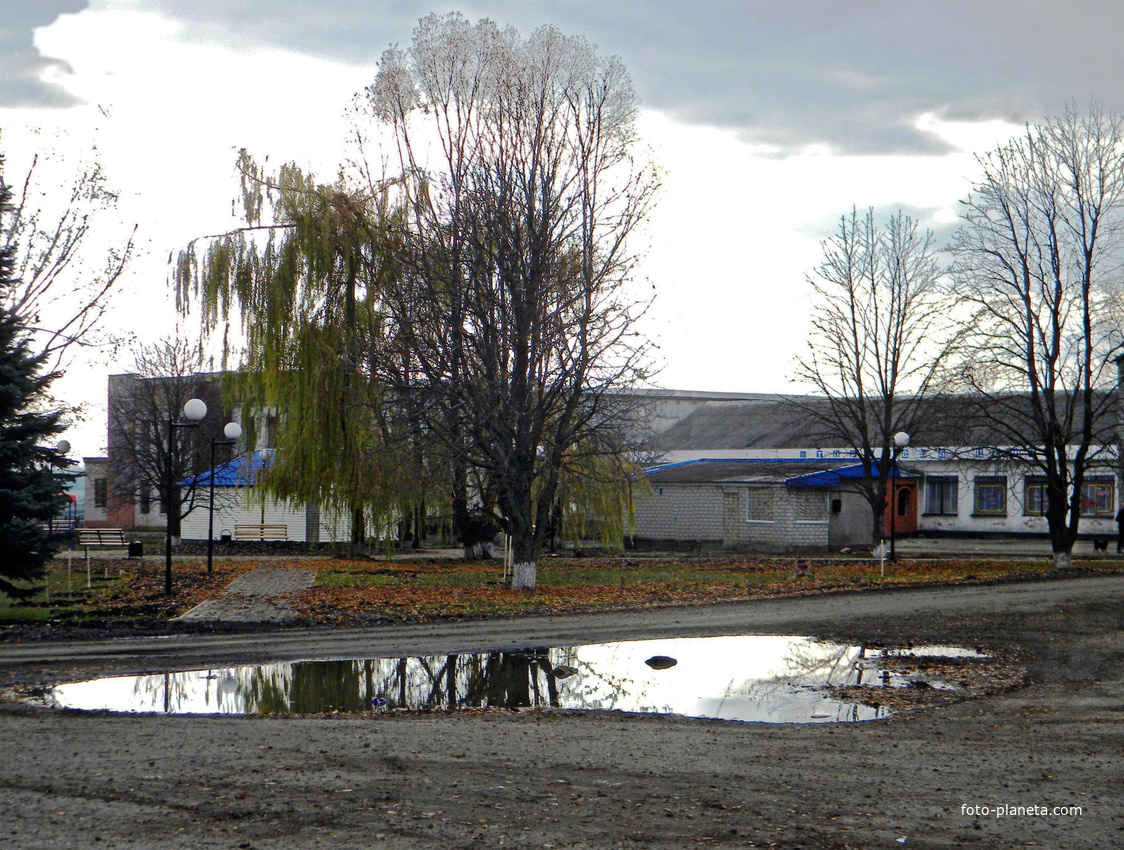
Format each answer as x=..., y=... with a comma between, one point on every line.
x=193, y=412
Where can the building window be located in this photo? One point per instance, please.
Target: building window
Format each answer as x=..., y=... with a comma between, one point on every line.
x=991, y=495
x=101, y=493
x=759, y=504
x=145, y=502
x=1034, y=495
x=810, y=506
x=1097, y=496
x=940, y=494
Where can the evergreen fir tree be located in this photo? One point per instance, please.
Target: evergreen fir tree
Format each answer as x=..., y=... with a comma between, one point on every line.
x=32, y=475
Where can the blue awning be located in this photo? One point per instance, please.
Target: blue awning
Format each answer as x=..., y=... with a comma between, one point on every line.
x=831, y=479
x=240, y=472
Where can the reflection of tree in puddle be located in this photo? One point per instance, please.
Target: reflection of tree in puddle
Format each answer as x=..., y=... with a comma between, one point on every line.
x=497, y=679
x=205, y=691
x=803, y=667
x=782, y=679
x=605, y=684
x=818, y=663
x=503, y=679
x=792, y=689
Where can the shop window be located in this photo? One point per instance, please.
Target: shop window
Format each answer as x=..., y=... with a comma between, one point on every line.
x=1097, y=496
x=941, y=494
x=991, y=495
x=1034, y=495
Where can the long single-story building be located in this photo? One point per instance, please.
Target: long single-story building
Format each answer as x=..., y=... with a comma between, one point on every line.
x=730, y=475
x=731, y=469
x=763, y=503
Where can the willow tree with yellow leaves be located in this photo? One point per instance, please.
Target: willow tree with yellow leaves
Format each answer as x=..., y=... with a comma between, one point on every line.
x=303, y=279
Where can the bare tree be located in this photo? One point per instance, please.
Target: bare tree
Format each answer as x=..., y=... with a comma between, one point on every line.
x=68, y=268
x=141, y=438
x=1038, y=259
x=513, y=319
x=880, y=330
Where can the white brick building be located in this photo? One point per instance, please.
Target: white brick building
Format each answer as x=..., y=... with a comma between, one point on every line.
x=728, y=463
x=749, y=504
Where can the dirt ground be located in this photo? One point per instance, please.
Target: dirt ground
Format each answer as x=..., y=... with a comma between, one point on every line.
x=939, y=777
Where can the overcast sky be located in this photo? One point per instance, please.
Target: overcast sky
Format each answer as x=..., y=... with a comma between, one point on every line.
x=770, y=119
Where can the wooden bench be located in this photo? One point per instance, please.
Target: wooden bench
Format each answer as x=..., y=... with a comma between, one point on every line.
x=261, y=532
x=94, y=537
x=88, y=537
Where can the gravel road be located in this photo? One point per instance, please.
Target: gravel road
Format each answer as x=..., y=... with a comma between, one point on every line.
x=1042, y=765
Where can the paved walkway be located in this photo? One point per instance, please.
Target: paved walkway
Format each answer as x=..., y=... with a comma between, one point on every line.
x=256, y=597
x=996, y=547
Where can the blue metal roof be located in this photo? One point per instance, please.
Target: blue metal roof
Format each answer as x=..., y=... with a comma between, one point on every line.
x=832, y=478
x=240, y=472
x=746, y=460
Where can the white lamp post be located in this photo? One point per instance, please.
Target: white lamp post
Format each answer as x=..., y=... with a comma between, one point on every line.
x=901, y=440
x=232, y=431
x=193, y=411
x=62, y=447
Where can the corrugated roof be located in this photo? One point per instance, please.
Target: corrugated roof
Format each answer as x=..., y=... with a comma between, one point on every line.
x=769, y=423
x=788, y=422
x=749, y=470
x=240, y=472
x=832, y=479
x=803, y=472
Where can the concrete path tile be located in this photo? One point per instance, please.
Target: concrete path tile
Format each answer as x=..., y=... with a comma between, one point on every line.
x=255, y=597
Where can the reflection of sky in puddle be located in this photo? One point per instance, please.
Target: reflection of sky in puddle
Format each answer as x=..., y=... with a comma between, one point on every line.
x=753, y=678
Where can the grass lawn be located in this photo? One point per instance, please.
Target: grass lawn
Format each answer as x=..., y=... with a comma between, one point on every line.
x=364, y=590
x=419, y=590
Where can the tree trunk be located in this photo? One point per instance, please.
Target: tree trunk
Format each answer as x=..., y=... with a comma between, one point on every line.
x=1063, y=560
x=877, y=525
x=1058, y=514
x=523, y=559
x=358, y=529
x=523, y=576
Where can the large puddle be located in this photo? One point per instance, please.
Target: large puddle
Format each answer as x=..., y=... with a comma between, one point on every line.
x=777, y=679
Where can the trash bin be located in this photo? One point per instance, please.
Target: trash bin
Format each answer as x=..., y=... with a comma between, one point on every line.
x=136, y=549
x=224, y=537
